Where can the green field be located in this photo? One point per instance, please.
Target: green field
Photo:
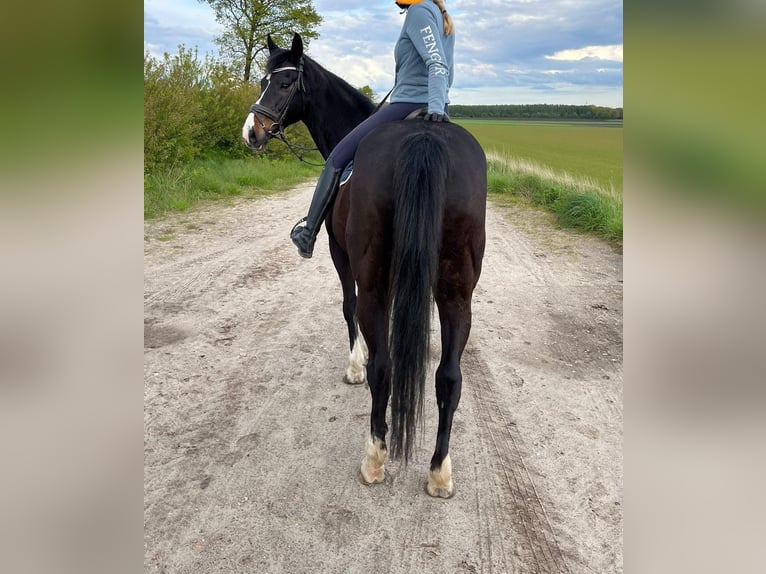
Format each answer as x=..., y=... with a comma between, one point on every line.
x=589, y=150
x=571, y=168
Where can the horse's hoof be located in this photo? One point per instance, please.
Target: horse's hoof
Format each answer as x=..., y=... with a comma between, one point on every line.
x=354, y=380
x=373, y=469
x=439, y=483
x=372, y=476
x=440, y=492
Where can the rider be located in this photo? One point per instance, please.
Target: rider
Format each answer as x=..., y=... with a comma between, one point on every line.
x=424, y=72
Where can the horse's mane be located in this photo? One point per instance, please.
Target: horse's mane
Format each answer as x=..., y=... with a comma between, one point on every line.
x=357, y=98
x=329, y=93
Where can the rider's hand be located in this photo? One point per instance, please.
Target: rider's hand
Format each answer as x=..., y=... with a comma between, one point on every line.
x=436, y=118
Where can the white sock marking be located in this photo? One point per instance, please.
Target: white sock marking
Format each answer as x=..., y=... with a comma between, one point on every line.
x=356, y=373
x=373, y=464
x=440, y=480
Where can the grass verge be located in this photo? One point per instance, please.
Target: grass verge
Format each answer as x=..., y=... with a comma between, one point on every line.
x=578, y=203
x=179, y=188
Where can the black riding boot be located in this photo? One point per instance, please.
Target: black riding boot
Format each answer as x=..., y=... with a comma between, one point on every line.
x=304, y=236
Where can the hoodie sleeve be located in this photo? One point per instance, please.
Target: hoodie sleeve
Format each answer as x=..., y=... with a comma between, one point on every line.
x=426, y=35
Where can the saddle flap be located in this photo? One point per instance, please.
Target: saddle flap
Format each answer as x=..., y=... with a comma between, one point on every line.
x=347, y=171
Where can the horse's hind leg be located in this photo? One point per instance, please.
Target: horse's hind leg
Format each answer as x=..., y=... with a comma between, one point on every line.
x=373, y=322
x=455, y=318
x=357, y=359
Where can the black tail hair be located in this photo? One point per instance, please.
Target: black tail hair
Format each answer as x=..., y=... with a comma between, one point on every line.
x=419, y=187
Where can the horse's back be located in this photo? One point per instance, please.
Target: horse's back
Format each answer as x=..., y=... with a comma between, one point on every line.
x=375, y=163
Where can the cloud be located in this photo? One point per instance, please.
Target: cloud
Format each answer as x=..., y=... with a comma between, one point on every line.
x=358, y=45
x=506, y=50
x=612, y=53
x=521, y=18
x=168, y=23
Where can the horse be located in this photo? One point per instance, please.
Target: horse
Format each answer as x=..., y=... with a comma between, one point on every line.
x=406, y=230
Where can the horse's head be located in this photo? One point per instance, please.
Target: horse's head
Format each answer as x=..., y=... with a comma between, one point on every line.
x=282, y=94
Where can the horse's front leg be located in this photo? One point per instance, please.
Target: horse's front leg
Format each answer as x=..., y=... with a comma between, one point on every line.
x=357, y=359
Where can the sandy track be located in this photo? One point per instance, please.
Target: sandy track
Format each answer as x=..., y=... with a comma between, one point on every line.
x=253, y=442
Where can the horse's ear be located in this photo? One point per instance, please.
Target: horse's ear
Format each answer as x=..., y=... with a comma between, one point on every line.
x=270, y=43
x=296, y=51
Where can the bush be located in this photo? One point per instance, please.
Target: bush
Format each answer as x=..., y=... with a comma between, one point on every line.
x=225, y=100
x=171, y=109
x=192, y=109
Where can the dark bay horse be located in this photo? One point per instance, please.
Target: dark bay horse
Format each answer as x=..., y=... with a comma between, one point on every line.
x=406, y=230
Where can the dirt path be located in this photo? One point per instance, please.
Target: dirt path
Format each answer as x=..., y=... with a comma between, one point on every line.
x=253, y=442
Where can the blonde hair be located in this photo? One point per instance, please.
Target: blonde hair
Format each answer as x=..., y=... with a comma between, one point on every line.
x=449, y=27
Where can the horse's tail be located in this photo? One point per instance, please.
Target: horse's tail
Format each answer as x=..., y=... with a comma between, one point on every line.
x=419, y=189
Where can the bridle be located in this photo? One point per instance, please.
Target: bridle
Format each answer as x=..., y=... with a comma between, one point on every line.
x=277, y=117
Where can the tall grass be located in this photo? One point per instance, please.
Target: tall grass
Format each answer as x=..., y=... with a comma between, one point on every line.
x=577, y=202
x=181, y=187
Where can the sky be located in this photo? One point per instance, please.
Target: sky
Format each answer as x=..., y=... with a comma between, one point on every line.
x=506, y=51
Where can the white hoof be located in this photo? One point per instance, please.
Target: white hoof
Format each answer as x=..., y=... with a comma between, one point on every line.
x=439, y=483
x=373, y=469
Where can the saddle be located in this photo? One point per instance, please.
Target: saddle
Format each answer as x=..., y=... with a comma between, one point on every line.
x=418, y=114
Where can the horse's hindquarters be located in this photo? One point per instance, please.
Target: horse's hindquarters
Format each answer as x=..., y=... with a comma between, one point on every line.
x=415, y=230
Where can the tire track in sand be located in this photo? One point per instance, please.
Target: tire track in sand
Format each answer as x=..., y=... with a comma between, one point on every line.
x=524, y=527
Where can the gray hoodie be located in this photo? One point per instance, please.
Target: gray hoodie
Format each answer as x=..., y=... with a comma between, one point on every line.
x=424, y=59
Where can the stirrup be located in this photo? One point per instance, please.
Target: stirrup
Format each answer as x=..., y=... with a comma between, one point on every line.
x=301, y=220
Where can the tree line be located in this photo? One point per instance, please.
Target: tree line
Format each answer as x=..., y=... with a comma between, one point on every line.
x=535, y=111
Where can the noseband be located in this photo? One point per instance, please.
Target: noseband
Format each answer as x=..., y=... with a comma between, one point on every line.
x=277, y=117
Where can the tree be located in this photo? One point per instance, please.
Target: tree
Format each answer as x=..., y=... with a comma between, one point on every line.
x=247, y=22
x=367, y=91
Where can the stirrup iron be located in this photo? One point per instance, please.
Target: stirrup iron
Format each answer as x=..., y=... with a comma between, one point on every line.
x=301, y=220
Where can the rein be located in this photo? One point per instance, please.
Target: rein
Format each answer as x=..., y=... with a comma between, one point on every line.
x=278, y=117
x=292, y=147
x=383, y=101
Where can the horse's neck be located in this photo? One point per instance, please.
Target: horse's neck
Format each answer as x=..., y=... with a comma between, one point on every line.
x=334, y=111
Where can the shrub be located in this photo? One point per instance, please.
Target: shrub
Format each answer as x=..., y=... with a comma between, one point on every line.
x=192, y=109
